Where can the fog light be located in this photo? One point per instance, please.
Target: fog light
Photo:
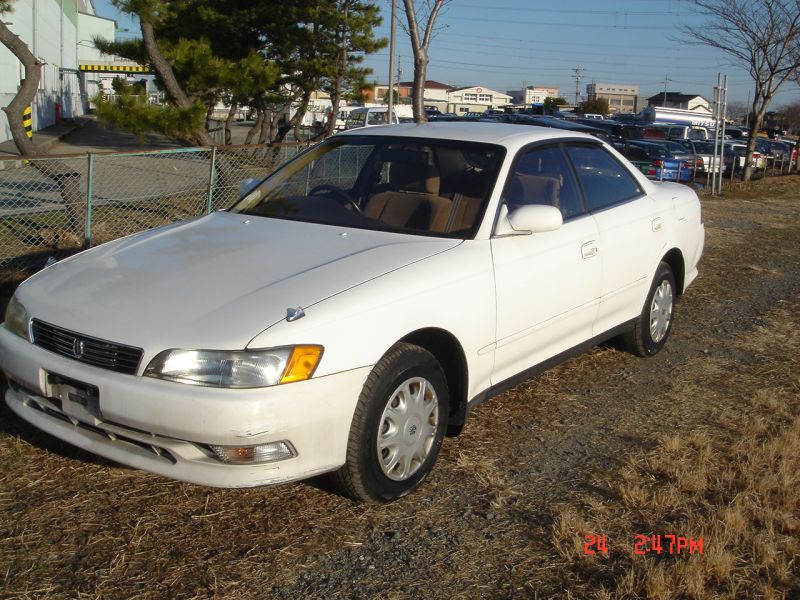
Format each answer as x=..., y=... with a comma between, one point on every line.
x=251, y=455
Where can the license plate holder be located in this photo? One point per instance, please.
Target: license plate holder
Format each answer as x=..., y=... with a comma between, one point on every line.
x=78, y=399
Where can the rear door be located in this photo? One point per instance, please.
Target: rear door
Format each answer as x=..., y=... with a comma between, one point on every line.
x=631, y=233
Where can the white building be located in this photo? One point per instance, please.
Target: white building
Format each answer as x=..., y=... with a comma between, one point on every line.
x=90, y=26
x=50, y=29
x=533, y=94
x=475, y=99
x=680, y=101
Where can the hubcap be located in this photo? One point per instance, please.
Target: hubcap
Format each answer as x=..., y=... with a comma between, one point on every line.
x=407, y=428
x=661, y=312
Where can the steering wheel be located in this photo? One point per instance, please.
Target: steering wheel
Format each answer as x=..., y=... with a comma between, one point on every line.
x=326, y=187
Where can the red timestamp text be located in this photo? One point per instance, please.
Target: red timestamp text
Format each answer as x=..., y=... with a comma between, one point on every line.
x=657, y=543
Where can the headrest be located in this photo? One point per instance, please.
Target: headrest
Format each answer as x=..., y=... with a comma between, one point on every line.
x=410, y=171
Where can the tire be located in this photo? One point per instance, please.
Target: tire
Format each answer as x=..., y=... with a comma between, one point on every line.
x=652, y=327
x=398, y=426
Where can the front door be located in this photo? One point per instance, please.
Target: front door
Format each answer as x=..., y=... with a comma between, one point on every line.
x=547, y=284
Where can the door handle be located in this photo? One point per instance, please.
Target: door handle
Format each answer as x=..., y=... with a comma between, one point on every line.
x=657, y=224
x=589, y=249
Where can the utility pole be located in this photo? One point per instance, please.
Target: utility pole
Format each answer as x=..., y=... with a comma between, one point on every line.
x=390, y=108
x=665, y=82
x=578, y=76
x=399, y=77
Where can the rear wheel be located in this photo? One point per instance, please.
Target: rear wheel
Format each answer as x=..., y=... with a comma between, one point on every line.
x=653, y=325
x=398, y=426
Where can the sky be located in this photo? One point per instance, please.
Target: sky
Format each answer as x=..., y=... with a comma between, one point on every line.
x=507, y=44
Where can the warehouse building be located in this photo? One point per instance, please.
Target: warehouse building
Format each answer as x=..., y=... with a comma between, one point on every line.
x=621, y=97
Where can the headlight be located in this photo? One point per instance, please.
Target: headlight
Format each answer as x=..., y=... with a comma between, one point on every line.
x=17, y=318
x=236, y=369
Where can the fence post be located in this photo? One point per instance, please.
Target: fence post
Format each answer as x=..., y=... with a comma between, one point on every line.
x=87, y=237
x=212, y=175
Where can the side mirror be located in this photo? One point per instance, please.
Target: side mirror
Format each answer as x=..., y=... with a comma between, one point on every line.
x=246, y=185
x=534, y=218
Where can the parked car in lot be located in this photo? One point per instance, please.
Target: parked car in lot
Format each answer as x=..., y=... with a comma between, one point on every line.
x=705, y=152
x=784, y=152
x=341, y=117
x=352, y=309
x=547, y=121
x=369, y=116
x=620, y=132
x=679, y=151
x=657, y=161
x=683, y=132
x=735, y=155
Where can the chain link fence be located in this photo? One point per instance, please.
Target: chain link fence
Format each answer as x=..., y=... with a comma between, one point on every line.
x=55, y=206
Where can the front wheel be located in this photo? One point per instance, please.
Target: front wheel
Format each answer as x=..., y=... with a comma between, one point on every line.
x=653, y=325
x=398, y=426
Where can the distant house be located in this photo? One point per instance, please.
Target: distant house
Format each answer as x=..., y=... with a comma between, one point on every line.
x=475, y=99
x=681, y=101
x=435, y=93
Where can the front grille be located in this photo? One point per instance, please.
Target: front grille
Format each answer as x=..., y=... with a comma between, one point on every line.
x=89, y=350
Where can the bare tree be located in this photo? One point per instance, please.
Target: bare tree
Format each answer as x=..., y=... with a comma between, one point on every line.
x=421, y=14
x=791, y=113
x=739, y=111
x=763, y=36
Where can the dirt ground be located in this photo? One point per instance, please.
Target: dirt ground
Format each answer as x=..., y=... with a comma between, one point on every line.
x=483, y=524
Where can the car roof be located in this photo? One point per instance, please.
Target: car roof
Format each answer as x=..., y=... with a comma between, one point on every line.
x=489, y=132
x=646, y=142
x=369, y=108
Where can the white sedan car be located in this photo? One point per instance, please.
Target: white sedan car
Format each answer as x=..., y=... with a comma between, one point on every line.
x=348, y=312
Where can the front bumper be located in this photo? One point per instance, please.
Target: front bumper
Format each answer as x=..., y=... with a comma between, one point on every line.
x=166, y=427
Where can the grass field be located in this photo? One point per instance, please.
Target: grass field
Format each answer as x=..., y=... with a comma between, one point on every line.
x=701, y=441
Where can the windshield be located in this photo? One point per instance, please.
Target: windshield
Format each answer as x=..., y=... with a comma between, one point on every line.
x=407, y=185
x=655, y=150
x=704, y=147
x=673, y=147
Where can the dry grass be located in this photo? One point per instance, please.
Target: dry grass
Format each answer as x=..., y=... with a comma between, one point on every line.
x=696, y=441
x=734, y=483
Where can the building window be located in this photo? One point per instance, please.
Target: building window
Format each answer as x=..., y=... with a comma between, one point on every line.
x=484, y=97
x=463, y=109
x=470, y=97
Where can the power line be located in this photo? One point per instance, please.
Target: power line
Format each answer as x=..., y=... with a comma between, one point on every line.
x=569, y=57
x=571, y=11
x=528, y=42
x=565, y=24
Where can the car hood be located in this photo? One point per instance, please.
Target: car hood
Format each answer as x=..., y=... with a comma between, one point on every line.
x=214, y=282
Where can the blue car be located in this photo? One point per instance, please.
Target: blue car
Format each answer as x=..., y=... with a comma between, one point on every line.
x=659, y=162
